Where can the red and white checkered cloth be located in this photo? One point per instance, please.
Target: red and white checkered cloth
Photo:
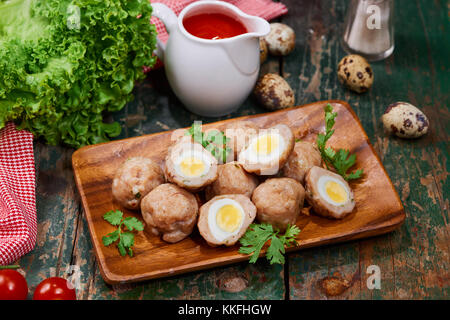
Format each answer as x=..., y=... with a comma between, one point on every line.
x=18, y=227
x=266, y=9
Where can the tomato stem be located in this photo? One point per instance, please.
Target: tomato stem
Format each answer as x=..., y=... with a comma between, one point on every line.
x=14, y=266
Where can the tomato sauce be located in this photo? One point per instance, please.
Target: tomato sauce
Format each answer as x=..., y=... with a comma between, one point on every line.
x=213, y=26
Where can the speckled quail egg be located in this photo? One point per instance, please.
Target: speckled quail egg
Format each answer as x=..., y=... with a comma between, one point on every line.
x=135, y=178
x=224, y=219
x=267, y=152
x=190, y=166
x=405, y=120
x=263, y=50
x=328, y=193
x=281, y=39
x=355, y=73
x=273, y=92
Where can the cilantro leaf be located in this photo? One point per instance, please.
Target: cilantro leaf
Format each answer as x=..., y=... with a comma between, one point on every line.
x=290, y=234
x=275, y=252
x=110, y=238
x=340, y=160
x=121, y=248
x=215, y=141
x=133, y=223
x=125, y=239
x=113, y=217
x=254, y=239
x=257, y=236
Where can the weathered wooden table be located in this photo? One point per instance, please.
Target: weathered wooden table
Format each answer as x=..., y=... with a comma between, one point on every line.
x=413, y=260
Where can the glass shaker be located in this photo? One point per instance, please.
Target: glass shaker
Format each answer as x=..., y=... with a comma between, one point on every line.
x=369, y=29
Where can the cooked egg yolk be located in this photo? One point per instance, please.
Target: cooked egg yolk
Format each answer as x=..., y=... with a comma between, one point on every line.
x=336, y=192
x=266, y=144
x=228, y=218
x=192, y=167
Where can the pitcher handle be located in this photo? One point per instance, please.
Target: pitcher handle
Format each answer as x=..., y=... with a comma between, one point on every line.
x=170, y=21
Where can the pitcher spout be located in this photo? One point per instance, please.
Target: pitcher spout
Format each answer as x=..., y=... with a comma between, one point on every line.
x=256, y=26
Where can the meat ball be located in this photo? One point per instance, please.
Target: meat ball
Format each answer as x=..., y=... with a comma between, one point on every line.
x=134, y=179
x=279, y=201
x=224, y=219
x=240, y=133
x=170, y=211
x=232, y=179
x=355, y=73
x=304, y=156
x=190, y=166
x=405, y=120
x=280, y=40
x=273, y=92
x=267, y=152
x=328, y=193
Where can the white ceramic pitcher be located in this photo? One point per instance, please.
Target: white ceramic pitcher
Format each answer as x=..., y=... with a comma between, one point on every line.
x=211, y=77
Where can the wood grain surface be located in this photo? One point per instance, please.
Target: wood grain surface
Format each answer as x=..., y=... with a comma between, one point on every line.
x=378, y=207
x=414, y=259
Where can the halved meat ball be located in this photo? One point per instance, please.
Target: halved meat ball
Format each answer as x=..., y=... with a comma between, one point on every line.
x=170, y=211
x=304, y=156
x=267, y=152
x=232, y=179
x=134, y=179
x=328, y=193
x=224, y=219
x=190, y=166
x=279, y=201
x=240, y=133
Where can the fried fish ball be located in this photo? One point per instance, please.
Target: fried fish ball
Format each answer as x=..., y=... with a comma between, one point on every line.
x=134, y=179
x=279, y=201
x=304, y=156
x=224, y=219
x=170, y=211
x=232, y=179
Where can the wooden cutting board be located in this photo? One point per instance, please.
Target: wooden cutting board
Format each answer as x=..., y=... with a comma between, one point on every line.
x=378, y=206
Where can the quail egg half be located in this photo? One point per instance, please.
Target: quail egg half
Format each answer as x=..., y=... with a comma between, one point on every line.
x=190, y=166
x=328, y=193
x=224, y=219
x=267, y=152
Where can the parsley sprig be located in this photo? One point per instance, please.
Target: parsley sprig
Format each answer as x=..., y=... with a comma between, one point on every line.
x=215, y=141
x=125, y=238
x=258, y=234
x=341, y=159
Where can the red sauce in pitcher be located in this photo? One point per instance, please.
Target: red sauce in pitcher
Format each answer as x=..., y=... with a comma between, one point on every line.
x=213, y=26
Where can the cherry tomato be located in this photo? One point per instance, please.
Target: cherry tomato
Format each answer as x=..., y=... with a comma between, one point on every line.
x=13, y=285
x=54, y=288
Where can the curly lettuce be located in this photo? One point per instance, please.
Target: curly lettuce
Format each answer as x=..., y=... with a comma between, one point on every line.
x=64, y=63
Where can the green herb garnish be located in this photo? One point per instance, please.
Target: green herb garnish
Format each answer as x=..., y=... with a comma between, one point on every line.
x=341, y=159
x=126, y=238
x=215, y=141
x=258, y=234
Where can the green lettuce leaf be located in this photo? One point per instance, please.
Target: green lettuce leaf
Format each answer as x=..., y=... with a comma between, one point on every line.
x=65, y=62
